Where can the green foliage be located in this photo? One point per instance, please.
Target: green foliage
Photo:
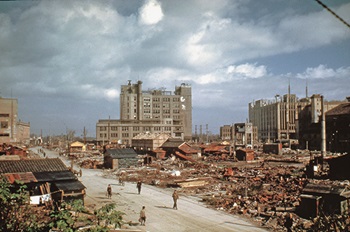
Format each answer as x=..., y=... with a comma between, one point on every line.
x=109, y=216
x=16, y=214
x=77, y=207
x=62, y=219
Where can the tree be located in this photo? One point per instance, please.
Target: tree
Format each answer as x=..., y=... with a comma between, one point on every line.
x=16, y=214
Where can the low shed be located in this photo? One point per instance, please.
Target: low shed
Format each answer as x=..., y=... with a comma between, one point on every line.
x=245, y=154
x=326, y=198
x=116, y=158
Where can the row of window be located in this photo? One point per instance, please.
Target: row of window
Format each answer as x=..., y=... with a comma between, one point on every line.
x=137, y=128
x=124, y=135
x=158, y=105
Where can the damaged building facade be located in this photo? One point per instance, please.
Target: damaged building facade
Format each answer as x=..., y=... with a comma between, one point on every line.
x=309, y=122
x=243, y=135
x=154, y=111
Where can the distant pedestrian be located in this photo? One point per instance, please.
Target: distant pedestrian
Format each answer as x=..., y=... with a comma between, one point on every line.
x=175, y=198
x=109, y=191
x=138, y=185
x=288, y=223
x=142, y=218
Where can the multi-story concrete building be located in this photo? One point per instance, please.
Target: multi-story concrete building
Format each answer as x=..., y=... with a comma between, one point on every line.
x=276, y=119
x=309, y=122
x=154, y=111
x=12, y=131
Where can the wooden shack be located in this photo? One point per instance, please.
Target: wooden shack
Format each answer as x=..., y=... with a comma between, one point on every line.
x=116, y=158
x=48, y=179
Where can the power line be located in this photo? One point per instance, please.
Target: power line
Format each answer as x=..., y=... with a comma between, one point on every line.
x=333, y=13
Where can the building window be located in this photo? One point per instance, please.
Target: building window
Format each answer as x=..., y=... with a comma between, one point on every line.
x=125, y=135
x=167, y=128
x=103, y=128
x=157, y=128
x=156, y=99
x=147, y=111
x=166, y=99
x=125, y=128
x=4, y=115
x=166, y=111
x=114, y=135
x=4, y=135
x=114, y=128
x=176, y=111
x=176, y=99
x=136, y=128
x=4, y=125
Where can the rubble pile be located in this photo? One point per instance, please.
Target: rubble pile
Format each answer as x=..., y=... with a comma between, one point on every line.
x=260, y=191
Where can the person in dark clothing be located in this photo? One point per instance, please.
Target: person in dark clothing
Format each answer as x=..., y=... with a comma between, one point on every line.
x=138, y=185
x=175, y=198
x=109, y=191
x=288, y=223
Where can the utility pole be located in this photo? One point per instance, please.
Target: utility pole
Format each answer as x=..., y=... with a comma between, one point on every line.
x=84, y=134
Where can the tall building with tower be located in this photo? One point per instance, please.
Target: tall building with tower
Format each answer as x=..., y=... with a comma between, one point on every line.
x=149, y=111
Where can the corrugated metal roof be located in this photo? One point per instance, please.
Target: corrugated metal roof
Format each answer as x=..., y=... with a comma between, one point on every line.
x=33, y=165
x=70, y=185
x=121, y=153
x=54, y=176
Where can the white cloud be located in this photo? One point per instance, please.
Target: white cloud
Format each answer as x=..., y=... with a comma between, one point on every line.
x=322, y=72
x=151, y=13
x=247, y=70
x=111, y=94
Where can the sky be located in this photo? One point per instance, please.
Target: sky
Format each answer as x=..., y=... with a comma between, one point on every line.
x=65, y=61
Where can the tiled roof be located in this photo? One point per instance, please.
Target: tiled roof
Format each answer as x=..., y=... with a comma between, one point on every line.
x=339, y=110
x=33, y=165
x=172, y=143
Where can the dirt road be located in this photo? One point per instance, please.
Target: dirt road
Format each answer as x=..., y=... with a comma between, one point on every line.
x=191, y=215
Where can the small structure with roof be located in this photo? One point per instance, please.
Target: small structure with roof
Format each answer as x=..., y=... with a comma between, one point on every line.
x=179, y=148
x=115, y=158
x=48, y=179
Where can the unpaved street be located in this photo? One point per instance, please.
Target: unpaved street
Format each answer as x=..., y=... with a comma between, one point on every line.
x=191, y=215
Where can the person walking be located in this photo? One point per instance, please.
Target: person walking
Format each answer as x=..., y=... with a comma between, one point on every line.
x=109, y=191
x=138, y=185
x=142, y=218
x=288, y=223
x=175, y=198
